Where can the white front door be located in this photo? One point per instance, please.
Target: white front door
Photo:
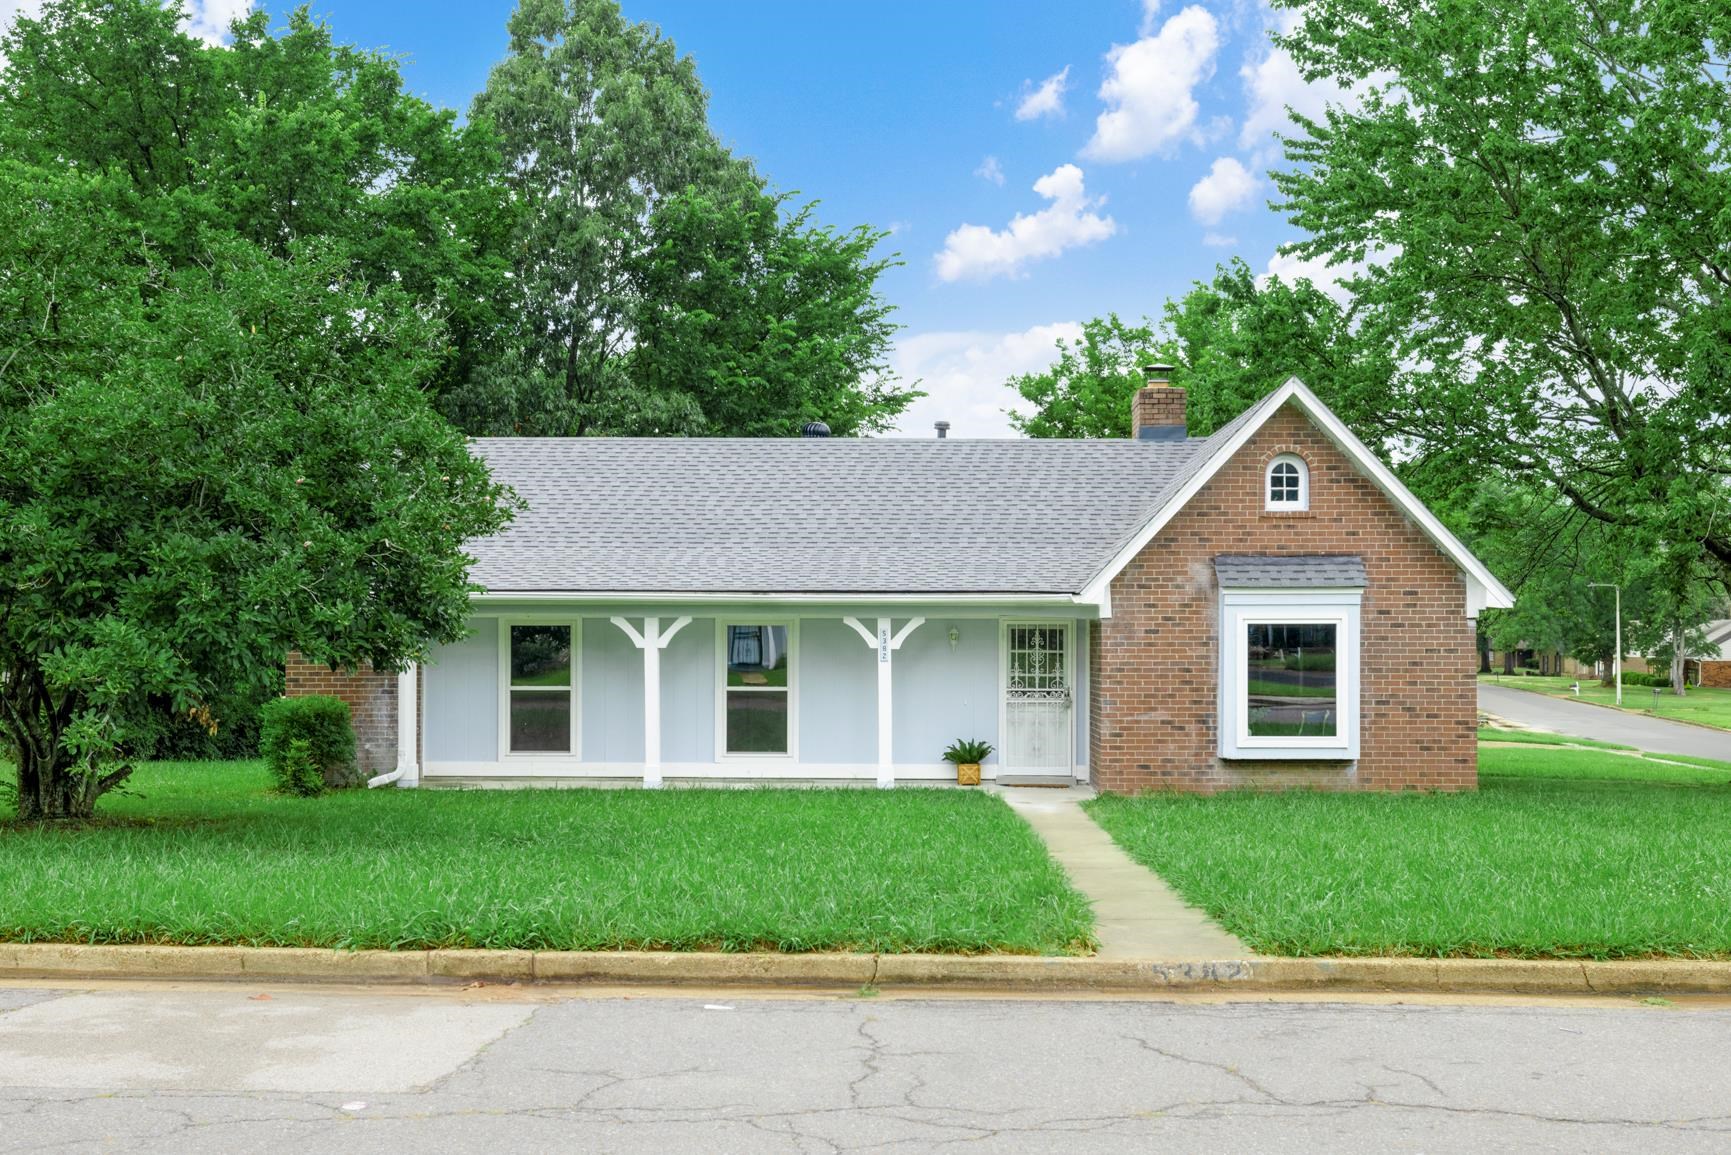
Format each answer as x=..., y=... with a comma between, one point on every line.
x=1038, y=705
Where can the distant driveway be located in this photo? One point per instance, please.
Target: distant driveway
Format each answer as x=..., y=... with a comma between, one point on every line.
x=1605, y=725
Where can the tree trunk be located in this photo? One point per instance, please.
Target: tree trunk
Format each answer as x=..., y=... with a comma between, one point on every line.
x=1508, y=661
x=49, y=789
x=1678, y=659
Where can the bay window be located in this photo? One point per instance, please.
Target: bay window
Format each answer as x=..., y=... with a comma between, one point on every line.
x=1289, y=674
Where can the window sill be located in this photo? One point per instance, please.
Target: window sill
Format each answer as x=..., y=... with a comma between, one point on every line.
x=1286, y=514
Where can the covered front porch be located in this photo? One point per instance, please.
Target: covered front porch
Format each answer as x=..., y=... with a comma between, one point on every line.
x=591, y=691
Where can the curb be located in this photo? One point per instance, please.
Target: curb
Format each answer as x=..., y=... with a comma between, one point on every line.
x=1007, y=973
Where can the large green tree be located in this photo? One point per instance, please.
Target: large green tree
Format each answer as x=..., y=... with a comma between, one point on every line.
x=203, y=466
x=659, y=289
x=1238, y=336
x=1087, y=390
x=275, y=138
x=1542, y=191
x=1233, y=339
x=762, y=320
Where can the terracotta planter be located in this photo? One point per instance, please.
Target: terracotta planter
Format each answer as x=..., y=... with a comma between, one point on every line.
x=967, y=773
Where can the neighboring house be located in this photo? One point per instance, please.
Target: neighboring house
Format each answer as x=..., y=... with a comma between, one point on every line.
x=1267, y=605
x=1714, y=666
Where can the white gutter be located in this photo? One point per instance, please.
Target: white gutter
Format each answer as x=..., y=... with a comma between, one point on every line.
x=408, y=771
x=609, y=597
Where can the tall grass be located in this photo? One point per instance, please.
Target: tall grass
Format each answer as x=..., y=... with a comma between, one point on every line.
x=202, y=853
x=1562, y=853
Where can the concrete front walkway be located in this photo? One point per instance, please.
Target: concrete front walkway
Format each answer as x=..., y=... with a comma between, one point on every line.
x=1583, y=720
x=1137, y=915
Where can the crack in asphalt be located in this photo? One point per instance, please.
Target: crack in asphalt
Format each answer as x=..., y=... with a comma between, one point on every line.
x=883, y=1094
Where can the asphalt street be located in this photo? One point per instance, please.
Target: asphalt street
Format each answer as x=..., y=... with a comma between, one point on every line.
x=221, y=1068
x=1605, y=725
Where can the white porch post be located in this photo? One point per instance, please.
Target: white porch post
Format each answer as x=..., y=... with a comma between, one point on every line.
x=408, y=727
x=652, y=641
x=886, y=645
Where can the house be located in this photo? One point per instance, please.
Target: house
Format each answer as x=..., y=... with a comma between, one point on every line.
x=1713, y=667
x=1267, y=605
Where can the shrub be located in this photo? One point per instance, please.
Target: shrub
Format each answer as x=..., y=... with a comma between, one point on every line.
x=968, y=752
x=308, y=743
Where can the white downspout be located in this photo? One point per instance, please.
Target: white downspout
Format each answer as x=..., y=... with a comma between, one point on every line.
x=408, y=771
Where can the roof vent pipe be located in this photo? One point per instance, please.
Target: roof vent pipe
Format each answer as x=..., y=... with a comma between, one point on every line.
x=943, y=428
x=814, y=429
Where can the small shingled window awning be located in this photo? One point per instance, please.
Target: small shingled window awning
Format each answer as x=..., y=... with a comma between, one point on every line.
x=1289, y=572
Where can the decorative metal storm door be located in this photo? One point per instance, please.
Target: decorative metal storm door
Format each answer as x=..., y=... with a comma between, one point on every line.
x=1037, y=700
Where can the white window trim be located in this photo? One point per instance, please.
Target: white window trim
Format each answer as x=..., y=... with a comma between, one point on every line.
x=1070, y=642
x=1241, y=608
x=506, y=754
x=722, y=621
x=1303, y=503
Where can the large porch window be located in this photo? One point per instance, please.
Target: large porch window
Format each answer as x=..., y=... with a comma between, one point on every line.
x=540, y=696
x=757, y=688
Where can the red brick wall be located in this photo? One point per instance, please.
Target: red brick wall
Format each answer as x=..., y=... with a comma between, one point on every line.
x=1153, y=665
x=372, y=699
x=1714, y=673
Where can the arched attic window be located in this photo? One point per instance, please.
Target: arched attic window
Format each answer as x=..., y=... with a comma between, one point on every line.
x=1287, y=485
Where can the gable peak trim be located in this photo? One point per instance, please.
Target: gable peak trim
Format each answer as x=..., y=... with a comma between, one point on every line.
x=1484, y=591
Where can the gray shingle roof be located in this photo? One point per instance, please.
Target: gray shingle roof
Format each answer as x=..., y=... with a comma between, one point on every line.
x=838, y=515
x=1297, y=571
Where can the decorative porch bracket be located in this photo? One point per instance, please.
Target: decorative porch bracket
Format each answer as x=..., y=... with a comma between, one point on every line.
x=885, y=643
x=652, y=641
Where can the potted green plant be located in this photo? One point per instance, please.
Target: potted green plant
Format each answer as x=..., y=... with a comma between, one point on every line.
x=967, y=754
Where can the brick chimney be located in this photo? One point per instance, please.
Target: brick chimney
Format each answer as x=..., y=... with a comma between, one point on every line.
x=1157, y=412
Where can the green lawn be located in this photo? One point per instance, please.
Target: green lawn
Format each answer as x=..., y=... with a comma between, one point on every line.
x=1545, y=738
x=1562, y=853
x=204, y=854
x=1704, y=705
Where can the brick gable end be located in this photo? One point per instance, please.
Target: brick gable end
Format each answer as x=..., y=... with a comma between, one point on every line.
x=1154, y=663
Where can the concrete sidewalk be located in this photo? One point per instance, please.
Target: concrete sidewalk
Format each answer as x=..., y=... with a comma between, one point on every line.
x=1602, y=724
x=1138, y=916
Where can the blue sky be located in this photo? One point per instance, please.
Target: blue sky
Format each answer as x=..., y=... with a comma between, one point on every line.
x=1146, y=126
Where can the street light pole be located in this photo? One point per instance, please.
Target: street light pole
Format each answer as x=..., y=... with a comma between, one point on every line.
x=1617, y=664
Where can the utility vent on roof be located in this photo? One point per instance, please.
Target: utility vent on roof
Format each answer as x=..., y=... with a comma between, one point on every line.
x=814, y=429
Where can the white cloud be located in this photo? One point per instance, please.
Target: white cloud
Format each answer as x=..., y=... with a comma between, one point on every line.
x=209, y=19
x=1227, y=188
x=1045, y=100
x=1271, y=84
x=206, y=19
x=1150, y=104
x=991, y=170
x=1150, y=9
x=975, y=252
x=964, y=375
x=10, y=9
x=1290, y=267
x=1218, y=240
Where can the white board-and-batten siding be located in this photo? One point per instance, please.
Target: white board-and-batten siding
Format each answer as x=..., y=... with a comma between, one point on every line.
x=942, y=692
